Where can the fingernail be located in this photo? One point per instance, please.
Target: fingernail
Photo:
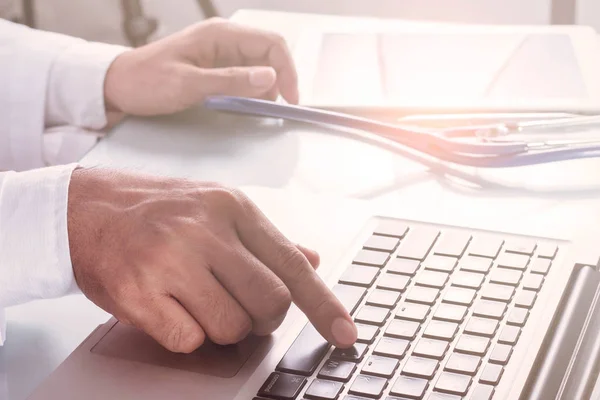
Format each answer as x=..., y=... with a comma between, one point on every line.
x=264, y=77
x=344, y=332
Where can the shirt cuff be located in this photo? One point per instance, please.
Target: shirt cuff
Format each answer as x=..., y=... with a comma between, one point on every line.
x=34, y=242
x=75, y=94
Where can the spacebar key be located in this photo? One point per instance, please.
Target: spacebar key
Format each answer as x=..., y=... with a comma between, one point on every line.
x=309, y=348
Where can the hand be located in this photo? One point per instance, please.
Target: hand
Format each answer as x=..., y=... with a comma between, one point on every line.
x=186, y=261
x=212, y=57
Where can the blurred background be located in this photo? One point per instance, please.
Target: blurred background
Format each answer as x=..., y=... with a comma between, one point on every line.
x=133, y=22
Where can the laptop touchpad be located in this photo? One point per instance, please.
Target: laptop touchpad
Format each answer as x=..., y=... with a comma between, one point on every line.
x=128, y=343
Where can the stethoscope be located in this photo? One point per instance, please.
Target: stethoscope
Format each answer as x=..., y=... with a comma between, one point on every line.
x=487, y=146
x=138, y=26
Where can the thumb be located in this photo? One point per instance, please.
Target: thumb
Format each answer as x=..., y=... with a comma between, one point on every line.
x=237, y=81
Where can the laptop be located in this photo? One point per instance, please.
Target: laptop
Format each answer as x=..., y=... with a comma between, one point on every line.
x=443, y=313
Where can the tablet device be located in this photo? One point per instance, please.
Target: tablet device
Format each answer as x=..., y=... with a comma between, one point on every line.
x=450, y=67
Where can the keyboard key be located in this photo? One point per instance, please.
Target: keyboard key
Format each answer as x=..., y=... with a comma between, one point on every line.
x=497, y=292
x=540, y=266
x=441, y=330
x=390, y=347
x=533, y=282
x=368, y=386
x=371, y=258
x=393, y=282
x=431, y=348
x=432, y=279
x=305, y=354
x=367, y=333
x=383, y=298
x=526, y=299
x=452, y=244
x=459, y=296
x=475, y=264
x=321, y=389
x=349, y=296
x=452, y=383
x=463, y=364
x=402, y=329
x=422, y=295
x=411, y=388
x=450, y=313
x=509, y=335
x=506, y=276
x=417, y=243
x=520, y=246
x=518, y=316
x=501, y=354
x=380, y=366
x=350, y=397
x=372, y=315
x=473, y=345
x=440, y=263
x=513, y=261
x=482, y=392
x=403, y=266
x=547, y=250
x=413, y=312
x=481, y=327
x=485, y=246
x=469, y=280
x=381, y=243
x=491, y=374
x=337, y=370
x=354, y=353
x=282, y=386
x=359, y=275
x=489, y=309
x=391, y=228
x=420, y=367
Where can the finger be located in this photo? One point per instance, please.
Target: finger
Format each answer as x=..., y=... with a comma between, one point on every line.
x=258, y=44
x=311, y=295
x=259, y=291
x=167, y=322
x=236, y=81
x=312, y=256
x=220, y=315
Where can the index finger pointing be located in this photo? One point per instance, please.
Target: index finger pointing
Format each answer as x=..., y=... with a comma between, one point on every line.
x=308, y=291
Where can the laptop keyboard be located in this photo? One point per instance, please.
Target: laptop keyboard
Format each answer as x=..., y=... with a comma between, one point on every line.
x=438, y=312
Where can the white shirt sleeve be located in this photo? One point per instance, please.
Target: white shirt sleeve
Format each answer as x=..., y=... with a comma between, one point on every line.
x=46, y=80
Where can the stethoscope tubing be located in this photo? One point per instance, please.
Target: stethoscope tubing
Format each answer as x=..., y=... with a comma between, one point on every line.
x=482, y=155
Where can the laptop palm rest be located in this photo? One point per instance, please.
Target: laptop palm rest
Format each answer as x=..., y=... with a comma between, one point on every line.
x=128, y=343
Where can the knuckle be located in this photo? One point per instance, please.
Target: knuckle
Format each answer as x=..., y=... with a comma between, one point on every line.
x=181, y=339
x=217, y=21
x=277, y=38
x=233, y=332
x=293, y=262
x=278, y=303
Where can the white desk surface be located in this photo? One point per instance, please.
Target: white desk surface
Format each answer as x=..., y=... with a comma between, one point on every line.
x=329, y=175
